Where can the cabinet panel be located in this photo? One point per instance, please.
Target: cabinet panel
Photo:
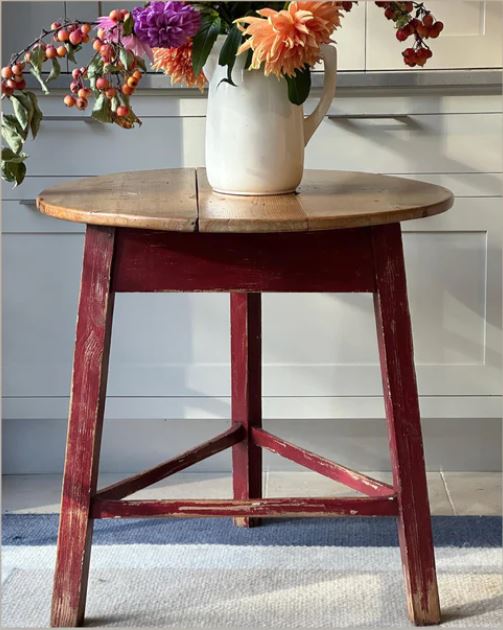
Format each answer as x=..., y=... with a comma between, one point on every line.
x=457, y=143
x=472, y=37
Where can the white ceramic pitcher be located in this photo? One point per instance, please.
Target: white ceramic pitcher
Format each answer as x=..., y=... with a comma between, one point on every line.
x=255, y=137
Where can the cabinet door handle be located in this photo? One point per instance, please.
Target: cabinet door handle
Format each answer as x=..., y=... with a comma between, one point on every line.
x=27, y=202
x=84, y=119
x=368, y=116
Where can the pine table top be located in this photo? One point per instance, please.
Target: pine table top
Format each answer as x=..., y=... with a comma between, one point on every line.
x=182, y=200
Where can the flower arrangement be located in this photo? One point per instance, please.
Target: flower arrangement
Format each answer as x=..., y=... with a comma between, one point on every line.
x=281, y=39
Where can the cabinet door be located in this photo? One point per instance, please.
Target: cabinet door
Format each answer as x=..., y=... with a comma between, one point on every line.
x=350, y=39
x=471, y=37
x=22, y=22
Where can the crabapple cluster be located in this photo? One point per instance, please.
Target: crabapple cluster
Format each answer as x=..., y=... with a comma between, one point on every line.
x=13, y=78
x=421, y=27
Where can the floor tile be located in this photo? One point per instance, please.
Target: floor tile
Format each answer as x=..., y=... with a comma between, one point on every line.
x=474, y=492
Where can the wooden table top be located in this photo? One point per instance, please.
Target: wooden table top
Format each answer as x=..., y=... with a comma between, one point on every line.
x=182, y=200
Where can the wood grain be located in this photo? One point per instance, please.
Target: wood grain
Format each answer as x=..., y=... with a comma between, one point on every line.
x=246, y=388
x=404, y=427
x=172, y=200
x=87, y=402
x=270, y=508
x=160, y=200
x=326, y=200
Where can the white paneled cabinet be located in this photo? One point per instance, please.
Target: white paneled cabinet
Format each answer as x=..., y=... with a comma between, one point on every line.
x=472, y=37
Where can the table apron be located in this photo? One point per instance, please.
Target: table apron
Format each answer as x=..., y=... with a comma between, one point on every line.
x=154, y=261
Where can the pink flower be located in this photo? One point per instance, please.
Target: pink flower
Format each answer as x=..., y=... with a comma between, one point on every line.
x=130, y=42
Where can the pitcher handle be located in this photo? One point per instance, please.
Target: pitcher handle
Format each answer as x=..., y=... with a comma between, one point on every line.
x=311, y=123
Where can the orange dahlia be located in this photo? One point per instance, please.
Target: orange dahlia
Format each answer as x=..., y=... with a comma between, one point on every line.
x=177, y=64
x=287, y=40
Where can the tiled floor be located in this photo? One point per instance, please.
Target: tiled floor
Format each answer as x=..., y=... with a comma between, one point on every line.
x=450, y=492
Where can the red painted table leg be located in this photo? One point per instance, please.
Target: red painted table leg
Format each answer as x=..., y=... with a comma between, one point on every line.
x=90, y=367
x=404, y=428
x=246, y=358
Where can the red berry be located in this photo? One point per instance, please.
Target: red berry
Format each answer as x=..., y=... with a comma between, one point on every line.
x=18, y=68
x=76, y=73
x=428, y=20
x=402, y=34
x=51, y=52
x=347, y=6
x=106, y=52
x=55, y=26
x=102, y=83
x=20, y=85
x=111, y=92
x=81, y=103
x=63, y=35
x=122, y=111
x=74, y=87
x=389, y=13
x=7, y=72
x=6, y=89
x=85, y=28
x=76, y=37
x=115, y=15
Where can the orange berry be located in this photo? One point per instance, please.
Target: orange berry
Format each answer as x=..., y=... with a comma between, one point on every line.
x=6, y=72
x=122, y=110
x=106, y=52
x=18, y=68
x=111, y=92
x=69, y=100
x=101, y=33
x=61, y=50
x=81, y=103
x=55, y=26
x=132, y=82
x=51, y=52
x=138, y=75
x=27, y=56
x=85, y=38
x=84, y=92
x=85, y=28
x=63, y=35
x=127, y=89
x=115, y=15
x=97, y=44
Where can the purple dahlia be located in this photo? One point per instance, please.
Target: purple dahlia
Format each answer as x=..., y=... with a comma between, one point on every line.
x=166, y=24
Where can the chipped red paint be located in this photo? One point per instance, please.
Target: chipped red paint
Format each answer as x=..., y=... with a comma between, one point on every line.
x=404, y=427
x=246, y=377
x=364, y=260
x=89, y=378
x=346, y=476
x=319, y=506
x=339, y=260
x=148, y=477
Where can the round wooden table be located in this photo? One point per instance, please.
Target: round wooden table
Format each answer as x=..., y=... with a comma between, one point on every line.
x=166, y=230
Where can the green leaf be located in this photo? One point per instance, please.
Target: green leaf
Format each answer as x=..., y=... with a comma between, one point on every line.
x=95, y=67
x=23, y=110
x=37, y=58
x=55, y=71
x=128, y=26
x=12, y=133
x=36, y=73
x=126, y=57
x=13, y=172
x=141, y=63
x=299, y=86
x=102, y=109
x=37, y=115
x=227, y=55
x=70, y=51
x=204, y=40
x=9, y=156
